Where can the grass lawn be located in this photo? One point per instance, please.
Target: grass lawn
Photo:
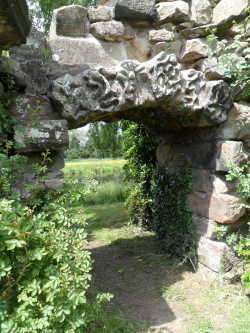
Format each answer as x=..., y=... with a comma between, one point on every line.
x=152, y=292
x=109, y=175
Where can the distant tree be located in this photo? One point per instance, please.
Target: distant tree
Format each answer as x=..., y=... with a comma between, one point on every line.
x=41, y=10
x=106, y=138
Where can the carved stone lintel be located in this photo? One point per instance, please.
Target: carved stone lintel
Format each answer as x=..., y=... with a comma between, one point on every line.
x=158, y=85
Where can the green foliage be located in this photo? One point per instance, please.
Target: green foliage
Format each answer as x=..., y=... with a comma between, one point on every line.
x=41, y=10
x=140, y=153
x=173, y=223
x=106, y=139
x=44, y=270
x=234, y=56
x=9, y=86
x=241, y=243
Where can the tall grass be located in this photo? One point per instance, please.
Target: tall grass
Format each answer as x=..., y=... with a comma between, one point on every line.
x=108, y=173
x=108, y=192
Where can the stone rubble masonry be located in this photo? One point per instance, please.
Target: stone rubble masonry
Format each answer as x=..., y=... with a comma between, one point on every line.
x=226, y=10
x=42, y=135
x=201, y=12
x=141, y=60
x=109, y=31
x=72, y=21
x=101, y=14
x=176, y=12
x=13, y=28
x=130, y=10
x=211, y=253
x=161, y=35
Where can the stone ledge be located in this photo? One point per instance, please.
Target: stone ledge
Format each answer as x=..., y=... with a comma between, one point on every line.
x=14, y=23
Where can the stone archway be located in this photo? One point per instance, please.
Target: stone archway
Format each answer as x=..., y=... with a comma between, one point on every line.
x=187, y=105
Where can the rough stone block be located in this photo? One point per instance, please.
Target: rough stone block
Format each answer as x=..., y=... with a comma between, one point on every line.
x=204, y=227
x=237, y=125
x=129, y=33
x=161, y=35
x=195, y=49
x=211, y=69
x=176, y=11
x=219, y=184
x=71, y=21
x=26, y=109
x=228, y=151
x=109, y=31
x=222, y=208
x=200, y=180
x=110, y=3
x=100, y=14
x=167, y=47
x=201, y=11
x=142, y=10
x=138, y=49
x=91, y=51
x=210, y=253
x=54, y=180
x=41, y=135
x=228, y=10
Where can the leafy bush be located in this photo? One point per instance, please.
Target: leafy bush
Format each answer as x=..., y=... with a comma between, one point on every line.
x=242, y=242
x=140, y=154
x=233, y=56
x=44, y=270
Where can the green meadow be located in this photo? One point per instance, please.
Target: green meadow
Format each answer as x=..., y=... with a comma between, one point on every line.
x=108, y=176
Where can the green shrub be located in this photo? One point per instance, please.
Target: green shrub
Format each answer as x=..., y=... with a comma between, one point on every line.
x=44, y=270
x=241, y=244
x=172, y=221
x=140, y=155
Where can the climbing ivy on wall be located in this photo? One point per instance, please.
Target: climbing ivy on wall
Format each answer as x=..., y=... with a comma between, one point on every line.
x=157, y=200
x=140, y=148
x=172, y=221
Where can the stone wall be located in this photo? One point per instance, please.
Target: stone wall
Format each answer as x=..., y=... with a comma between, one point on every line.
x=146, y=61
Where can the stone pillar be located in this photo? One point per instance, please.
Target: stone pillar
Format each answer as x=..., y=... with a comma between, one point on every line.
x=214, y=201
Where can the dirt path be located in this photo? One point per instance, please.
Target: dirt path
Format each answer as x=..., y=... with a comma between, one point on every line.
x=149, y=287
x=135, y=284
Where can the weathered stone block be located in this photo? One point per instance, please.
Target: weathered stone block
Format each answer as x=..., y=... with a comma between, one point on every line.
x=120, y=88
x=195, y=49
x=142, y=10
x=211, y=68
x=237, y=125
x=204, y=227
x=54, y=180
x=210, y=253
x=103, y=13
x=176, y=11
x=138, y=49
x=71, y=21
x=110, y=3
x=228, y=10
x=219, y=184
x=26, y=109
x=228, y=151
x=14, y=23
x=222, y=208
x=168, y=48
x=109, y=31
x=201, y=11
x=91, y=51
x=200, y=180
x=161, y=35
x=41, y=135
